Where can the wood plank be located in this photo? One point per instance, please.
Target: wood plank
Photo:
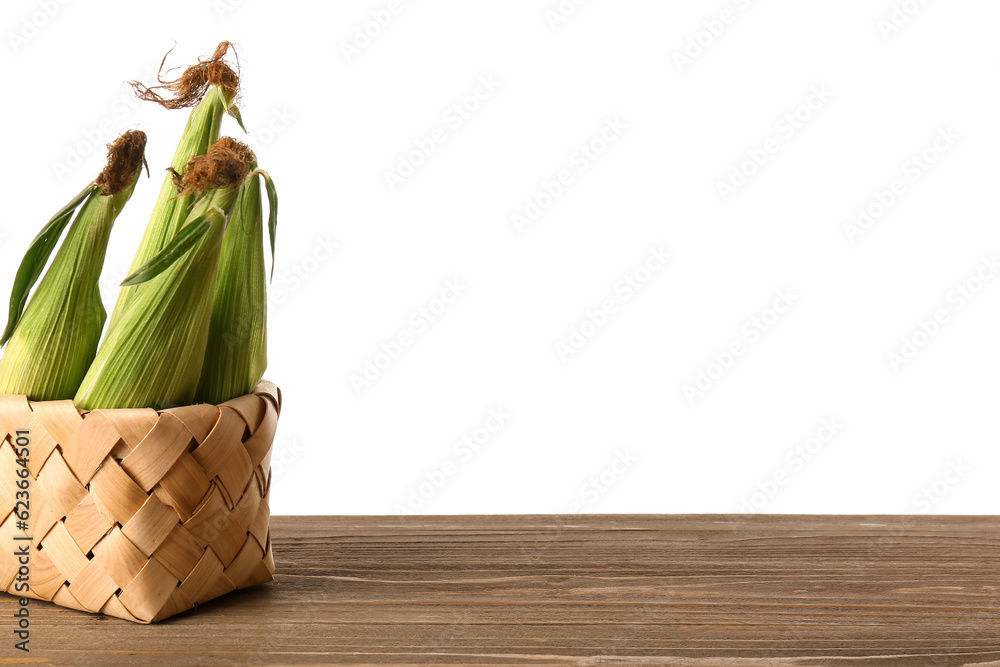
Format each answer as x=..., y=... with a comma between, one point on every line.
x=678, y=590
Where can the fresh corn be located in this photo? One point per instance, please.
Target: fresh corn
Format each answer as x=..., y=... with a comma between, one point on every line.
x=212, y=88
x=152, y=355
x=236, y=355
x=51, y=343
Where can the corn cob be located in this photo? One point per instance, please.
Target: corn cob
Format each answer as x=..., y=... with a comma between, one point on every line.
x=236, y=355
x=152, y=355
x=212, y=88
x=51, y=343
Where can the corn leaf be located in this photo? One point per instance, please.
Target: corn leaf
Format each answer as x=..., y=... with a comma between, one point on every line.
x=185, y=239
x=272, y=218
x=234, y=111
x=35, y=259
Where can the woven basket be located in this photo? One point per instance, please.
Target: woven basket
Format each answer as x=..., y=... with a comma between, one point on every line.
x=139, y=514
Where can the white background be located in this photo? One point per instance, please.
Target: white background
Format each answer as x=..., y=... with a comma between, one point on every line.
x=328, y=127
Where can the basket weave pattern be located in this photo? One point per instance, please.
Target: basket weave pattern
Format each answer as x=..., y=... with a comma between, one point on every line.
x=140, y=514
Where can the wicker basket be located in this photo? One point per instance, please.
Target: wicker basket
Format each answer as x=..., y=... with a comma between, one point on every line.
x=139, y=514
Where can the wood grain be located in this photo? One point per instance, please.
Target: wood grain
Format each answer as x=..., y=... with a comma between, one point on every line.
x=691, y=590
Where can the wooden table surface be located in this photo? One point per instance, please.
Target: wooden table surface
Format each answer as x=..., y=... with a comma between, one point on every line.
x=688, y=590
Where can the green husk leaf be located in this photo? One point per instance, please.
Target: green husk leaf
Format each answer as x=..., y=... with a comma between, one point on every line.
x=234, y=111
x=185, y=239
x=37, y=256
x=272, y=219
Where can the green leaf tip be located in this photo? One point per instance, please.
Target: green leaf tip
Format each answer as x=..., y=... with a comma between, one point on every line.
x=178, y=246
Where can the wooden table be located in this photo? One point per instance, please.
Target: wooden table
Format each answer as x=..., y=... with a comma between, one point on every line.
x=693, y=590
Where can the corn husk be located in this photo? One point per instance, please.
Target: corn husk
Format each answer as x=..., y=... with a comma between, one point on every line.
x=152, y=355
x=51, y=342
x=236, y=355
x=211, y=87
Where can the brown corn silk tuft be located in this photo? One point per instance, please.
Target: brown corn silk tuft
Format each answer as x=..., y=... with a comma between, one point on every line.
x=125, y=155
x=190, y=87
x=226, y=164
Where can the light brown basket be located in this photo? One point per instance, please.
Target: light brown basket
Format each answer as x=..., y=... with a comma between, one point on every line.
x=139, y=514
